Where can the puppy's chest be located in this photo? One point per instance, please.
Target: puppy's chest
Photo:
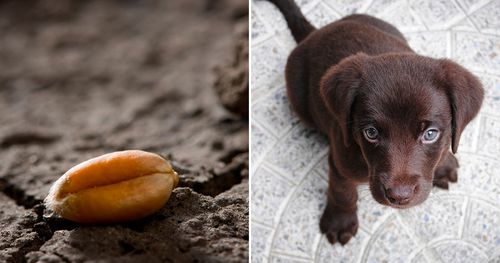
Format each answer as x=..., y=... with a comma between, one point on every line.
x=358, y=174
x=352, y=165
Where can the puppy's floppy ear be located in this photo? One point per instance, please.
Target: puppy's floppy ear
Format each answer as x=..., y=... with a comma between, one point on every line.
x=339, y=87
x=465, y=94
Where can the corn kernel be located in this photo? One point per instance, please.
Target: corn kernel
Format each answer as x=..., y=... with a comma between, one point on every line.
x=114, y=187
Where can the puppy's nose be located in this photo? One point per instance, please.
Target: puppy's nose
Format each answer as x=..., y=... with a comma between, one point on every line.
x=400, y=194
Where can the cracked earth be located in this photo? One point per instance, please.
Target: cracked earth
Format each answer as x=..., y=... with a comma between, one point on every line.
x=80, y=79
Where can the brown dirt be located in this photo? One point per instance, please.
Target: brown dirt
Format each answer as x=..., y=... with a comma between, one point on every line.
x=232, y=80
x=82, y=78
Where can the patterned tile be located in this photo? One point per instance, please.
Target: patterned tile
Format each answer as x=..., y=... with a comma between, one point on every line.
x=482, y=229
x=276, y=258
x=290, y=172
x=401, y=16
x=275, y=112
x=261, y=141
x=299, y=226
x=346, y=7
x=275, y=22
x=487, y=19
x=388, y=240
x=307, y=5
x=469, y=139
x=433, y=44
x=495, y=258
x=259, y=30
x=348, y=253
x=259, y=242
x=298, y=152
x=436, y=218
x=469, y=5
x=378, y=7
x=419, y=259
x=322, y=168
x=478, y=177
x=322, y=15
x=268, y=64
x=460, y=252
x=269, y=196
x=370, y=213
x=463, y=25
x=477, y=51
x=491, y=104
x=437, y=14
x=490, y=136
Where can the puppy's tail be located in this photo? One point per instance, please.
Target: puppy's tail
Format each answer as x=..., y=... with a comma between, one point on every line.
x=296, y=21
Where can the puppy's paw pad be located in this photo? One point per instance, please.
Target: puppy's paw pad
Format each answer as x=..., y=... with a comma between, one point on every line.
x=339, y=226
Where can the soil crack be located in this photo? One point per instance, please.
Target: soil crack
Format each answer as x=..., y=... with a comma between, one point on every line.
x=218, y=179
x=17, y=194
x=27, y=137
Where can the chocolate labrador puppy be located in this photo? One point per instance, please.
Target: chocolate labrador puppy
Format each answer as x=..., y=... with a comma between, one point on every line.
x=390, y=115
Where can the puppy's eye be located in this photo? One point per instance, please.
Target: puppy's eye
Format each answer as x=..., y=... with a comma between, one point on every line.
x=371, y=134
x=430, y=135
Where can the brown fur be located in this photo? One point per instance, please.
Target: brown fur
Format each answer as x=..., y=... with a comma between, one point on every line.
x=359, y=72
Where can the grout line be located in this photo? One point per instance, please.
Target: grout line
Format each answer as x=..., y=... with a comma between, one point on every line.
x=270, y=89
x=465, y=209
x=452, y=30
x=466, y=16
x=372, y=238
x=448, y=44
x=479, y=249
x=315, y=246
x=283, y=207
x=415, y=238
x=317, y=252
x=260, y=42
x=366, y=6
x=480, y=6
x=263, y=19
x=262, y=224
x=320, y=175
x=335, y=10
x=364, y=244
x=453, y=40
x=286, y=202
x=289, y=255
x=308, y=7
x=415, y=14
x=260, y=161
x=477, y=132
x=272, y=169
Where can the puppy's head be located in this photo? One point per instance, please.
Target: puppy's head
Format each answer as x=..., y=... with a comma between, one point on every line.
x=403, y=111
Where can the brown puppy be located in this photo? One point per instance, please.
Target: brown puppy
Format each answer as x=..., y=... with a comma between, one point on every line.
x=390, y=115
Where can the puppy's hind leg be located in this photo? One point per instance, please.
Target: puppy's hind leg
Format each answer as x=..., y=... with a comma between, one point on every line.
x=446, y=171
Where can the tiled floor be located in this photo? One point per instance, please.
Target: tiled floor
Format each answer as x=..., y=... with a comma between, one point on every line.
x=289, y=174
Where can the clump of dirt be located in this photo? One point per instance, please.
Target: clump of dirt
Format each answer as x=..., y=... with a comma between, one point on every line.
x=82, y=78
x=232, y=79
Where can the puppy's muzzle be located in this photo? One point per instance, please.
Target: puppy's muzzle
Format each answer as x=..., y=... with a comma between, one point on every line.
x=400, y=194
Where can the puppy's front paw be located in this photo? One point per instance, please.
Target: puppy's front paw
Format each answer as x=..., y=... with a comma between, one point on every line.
x=446, y=172
x=338, y=226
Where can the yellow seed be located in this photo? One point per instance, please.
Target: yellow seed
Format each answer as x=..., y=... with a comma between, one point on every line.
x=114, y=187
